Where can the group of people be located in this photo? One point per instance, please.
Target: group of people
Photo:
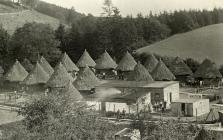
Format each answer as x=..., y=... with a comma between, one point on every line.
x=160, y=106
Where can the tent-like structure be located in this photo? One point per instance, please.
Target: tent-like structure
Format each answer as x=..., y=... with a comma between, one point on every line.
x=162, y=73
x=140, y=73
x=59, y=78
x=86, y=59
x=68, y=63
x=72, y=92
x=16, y=73
x=46, y=66
x=86, y=80
x=151, y=62
x=126, y=65
x=27, y=65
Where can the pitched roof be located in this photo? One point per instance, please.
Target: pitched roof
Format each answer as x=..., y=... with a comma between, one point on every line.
x=86, y=80
x=178, y=67
x=208, y=69
x=16, y=73
x=46, y=66
x=27, y=65
x=72, y=92
x=127, y=63
x=60, y=77
x=68, y=63
x=85, y=59
x=37, y=76
x=151, y=63
x=105, y=62
x=161, y=72
x=140, y=73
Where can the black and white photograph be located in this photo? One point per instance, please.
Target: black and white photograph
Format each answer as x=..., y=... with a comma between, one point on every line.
x=111, y=69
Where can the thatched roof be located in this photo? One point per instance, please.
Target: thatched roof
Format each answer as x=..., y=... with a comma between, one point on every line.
x=105, y=62
x=140, y=73
x=178, y=67
x=162, y=73
x=72, y=92
x=86, y=80
x=127, y=63
x=59, y=78
x=85, y=59
x=151, y=63
x=46, y=66
x=37, y=76
x=16, y=73
x=207, y=69
x=27, y=65
x=68, y=63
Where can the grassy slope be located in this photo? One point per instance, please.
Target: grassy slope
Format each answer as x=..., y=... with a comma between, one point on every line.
x=13, y=19
x=206, y=42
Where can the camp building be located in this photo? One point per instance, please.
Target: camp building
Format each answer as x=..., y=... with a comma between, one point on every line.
x=27, y=65
x=86, y=60
x=125, y=66
x=46, y=66
x=151, y=63
x=162, y=73
x=68, y=64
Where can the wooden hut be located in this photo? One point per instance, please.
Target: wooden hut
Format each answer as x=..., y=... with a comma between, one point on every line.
x=208, y=73
x=151, y=62
x=68, y=64
x=105, y=66
x=181, y=71
x=162, y=73
x=46, y=66
x=86, y=60
x=140, y=73
x=27, y=65
x=126, y=66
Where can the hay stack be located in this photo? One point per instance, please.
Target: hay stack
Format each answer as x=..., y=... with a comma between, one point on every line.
x=162, y=73
x=140, y=73
x=68, y=63
x=27, y=65
x=37, y=76
x=85, y=59
x=16, y=73
x=46, y=66
x=105, y=62
x=127, y=63
x=86, y=80
x=151, y=63
x=207, y=70
x=59, y=78
x=178, y=67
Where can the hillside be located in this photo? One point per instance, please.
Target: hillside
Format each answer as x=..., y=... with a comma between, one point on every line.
x=206, y=42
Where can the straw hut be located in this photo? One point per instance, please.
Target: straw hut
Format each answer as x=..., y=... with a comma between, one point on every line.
x=208, y=73
x=72, y=92
x=68, y=64
x=46, y=66
x=126, y=66
x=86, y=80
x=140, y=73
x=181, y=71
x=105, y=66
x=151, y=62
x=162, y=73
x=27, y=65
x=59, y=78
x=86, y=59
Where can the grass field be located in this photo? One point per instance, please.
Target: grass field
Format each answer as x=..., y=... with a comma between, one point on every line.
x=206, y=42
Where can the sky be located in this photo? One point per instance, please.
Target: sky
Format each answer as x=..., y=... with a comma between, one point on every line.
x=133, y=7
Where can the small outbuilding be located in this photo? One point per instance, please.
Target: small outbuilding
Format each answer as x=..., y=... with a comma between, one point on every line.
x=190, y=107
x=151, y=63
x=86, y=60
x=46, y=66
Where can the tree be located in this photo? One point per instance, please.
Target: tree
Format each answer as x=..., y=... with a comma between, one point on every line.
x=192, y=64
x=60, y=35
x=70, y=16
x=31, y=3
x=4, y=47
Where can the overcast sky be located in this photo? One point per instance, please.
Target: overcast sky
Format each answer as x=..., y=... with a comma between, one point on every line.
x=137, y=6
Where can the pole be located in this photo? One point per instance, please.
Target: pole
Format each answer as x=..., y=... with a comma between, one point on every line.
x=196, y=114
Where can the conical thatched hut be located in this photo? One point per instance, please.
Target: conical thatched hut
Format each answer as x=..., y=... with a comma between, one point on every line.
x=208, y=72
x=151, y=62
x=162, y=73
x=86, y=59
x=72, y=92
x=105, y=66
x=181, y=71
x=86, y=80
x=68, y=64
x=126, y=66
x=46, y=66
x=59, y=78
x=27, y=65
x=140, y=73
